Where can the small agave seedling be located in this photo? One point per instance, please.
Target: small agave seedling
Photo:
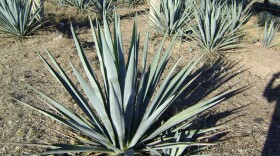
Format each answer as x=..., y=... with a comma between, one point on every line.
x=213, y=25
x=172, y=17
x=19, y=18
x=269, y=34
x=125, y=117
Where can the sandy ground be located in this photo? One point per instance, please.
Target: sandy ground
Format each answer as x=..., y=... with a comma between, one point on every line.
x=251, y=115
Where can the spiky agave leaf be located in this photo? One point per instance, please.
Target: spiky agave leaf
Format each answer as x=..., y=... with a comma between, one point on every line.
x=173, y=16
x=269, y=34
x=123, y=117
x=19, y=18
x=213, y=24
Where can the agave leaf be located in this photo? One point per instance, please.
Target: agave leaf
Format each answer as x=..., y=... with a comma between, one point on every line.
x=147, y=81
x=163, y=61
x=160, y=68
x=61, y=109
x=99, y=51
x=68, y=85
x=111, y=70
x=87, y=68
x=177, y=81
x=118, y=48
x=180, y=145
x=108, y=39
x=163, y=86
x=130, y=79
x=117, y=116
x=147, y=123
x=96, y=104
x=137, y=118
x=74, y=149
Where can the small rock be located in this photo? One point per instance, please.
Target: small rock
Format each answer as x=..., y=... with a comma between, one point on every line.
x=57, y=38
x=258, y=120
x=27, y=74
x=8, y=66
x=57, y=56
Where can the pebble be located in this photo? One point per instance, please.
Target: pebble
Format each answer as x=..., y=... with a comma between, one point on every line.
x=258, y=120
x=27, y=74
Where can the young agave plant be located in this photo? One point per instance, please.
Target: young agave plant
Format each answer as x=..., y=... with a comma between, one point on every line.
x=19, y=18
x=131, y=3
x=126, y=116
x=172, y=17
x=269, y=34
x=79, y=4
x=213, y=24
x=101, y=6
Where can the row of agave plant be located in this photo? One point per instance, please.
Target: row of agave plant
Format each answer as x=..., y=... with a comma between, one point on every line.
x=86, y=4
x=215, y=25
x=20, y=18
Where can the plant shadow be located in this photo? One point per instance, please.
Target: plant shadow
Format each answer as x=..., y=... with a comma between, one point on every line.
x=63, y=25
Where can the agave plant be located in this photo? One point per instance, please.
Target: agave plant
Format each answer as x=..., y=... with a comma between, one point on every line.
x=269, y=34
x=125, y=117
x=172, y=17
x=79, y=4
x=238, y=15
x=17, y=18
x=265, y=16
x=131, y=3
x=103, y=6
x=213, y=25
